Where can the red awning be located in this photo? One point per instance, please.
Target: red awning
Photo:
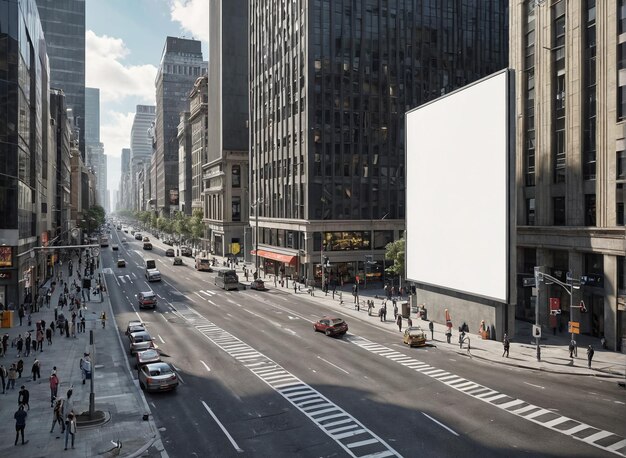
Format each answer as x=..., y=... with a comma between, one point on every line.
x=287, y=259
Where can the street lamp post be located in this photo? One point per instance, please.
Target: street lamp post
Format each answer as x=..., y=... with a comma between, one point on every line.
x=256, y=204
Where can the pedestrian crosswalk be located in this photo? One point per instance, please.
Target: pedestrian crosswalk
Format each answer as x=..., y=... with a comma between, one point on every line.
x=339, y=425
x=604, y=440
x=208, y=292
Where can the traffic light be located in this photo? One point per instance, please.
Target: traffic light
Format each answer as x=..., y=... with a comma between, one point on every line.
x=583, y=309
x=326, y=261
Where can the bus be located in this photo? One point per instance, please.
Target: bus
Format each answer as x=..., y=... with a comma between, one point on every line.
x=226, y=278
x=104, y=241
x=203, y=264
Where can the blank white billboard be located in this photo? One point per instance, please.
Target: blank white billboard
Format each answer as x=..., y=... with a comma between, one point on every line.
x=458, y=188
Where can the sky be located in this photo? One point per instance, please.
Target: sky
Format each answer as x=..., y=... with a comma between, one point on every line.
x=124, y=42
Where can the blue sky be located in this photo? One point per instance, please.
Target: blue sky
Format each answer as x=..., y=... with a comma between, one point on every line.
x=124, y=43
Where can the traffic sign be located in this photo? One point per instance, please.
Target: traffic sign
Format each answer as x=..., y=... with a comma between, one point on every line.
x=536, y=331
x=573, y=327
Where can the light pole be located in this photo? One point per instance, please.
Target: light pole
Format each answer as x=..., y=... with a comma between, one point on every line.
x=256, y=204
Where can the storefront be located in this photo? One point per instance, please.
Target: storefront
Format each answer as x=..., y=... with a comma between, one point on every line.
x=278, y=264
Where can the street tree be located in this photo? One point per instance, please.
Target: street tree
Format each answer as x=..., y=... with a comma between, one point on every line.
x=394, y=251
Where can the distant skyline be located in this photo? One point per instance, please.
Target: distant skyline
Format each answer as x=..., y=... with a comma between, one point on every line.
x=124, y=42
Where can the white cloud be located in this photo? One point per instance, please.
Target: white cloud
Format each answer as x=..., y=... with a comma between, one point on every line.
x=116, y=131
x=193, y=16
x=105, y=70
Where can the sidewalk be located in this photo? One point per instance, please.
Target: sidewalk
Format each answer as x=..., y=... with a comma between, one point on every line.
x=554, y=349
x=115, y=392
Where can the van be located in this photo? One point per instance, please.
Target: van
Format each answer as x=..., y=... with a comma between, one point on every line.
x=152, y=273
x=227, y=279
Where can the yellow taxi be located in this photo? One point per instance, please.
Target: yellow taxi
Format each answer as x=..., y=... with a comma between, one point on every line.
x=414, y=336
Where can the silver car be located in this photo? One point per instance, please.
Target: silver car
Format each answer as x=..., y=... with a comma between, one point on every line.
x=140, y=341
x=157, y=377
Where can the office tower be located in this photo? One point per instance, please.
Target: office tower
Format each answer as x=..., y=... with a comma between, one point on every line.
x=63, y=23
x=181, y=63
x=27, y=178
x=141, y=149
x=571, y=148
x=125, y=201
x=92, y=115
x=184, y=164
x=329, y=85
x=225, y=198
x=95, y=157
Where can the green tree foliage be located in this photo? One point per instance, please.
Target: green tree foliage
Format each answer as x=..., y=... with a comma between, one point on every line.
x=196, y=225
x=394, y=251
x=180, y=225
x=93, y=218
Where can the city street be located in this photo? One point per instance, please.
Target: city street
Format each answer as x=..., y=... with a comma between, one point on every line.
x=257, y=381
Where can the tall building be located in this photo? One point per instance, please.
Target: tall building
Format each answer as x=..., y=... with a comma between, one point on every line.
x=184, y=164
x=225, y=172
x=61, y=144
x=125, y=200
x=141, y=149
x=181, y=63
x=63, y=23
x=95, y=157
x=329, y=85
x=571, y=160
x=199, y=121
x=27, y=178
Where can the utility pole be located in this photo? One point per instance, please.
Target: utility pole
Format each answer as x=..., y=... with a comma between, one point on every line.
x=538, y=278
x=92, y=358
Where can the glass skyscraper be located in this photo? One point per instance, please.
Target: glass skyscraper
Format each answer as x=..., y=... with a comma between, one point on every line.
x=330, y=82
x=63, y=23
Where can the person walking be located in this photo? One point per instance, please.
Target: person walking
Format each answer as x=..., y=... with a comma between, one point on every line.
x=395, y=311
x=23, y=397
x=431, y=326
x=590, y=352
x=409, y=322
x=20, y=423
x=58, y=414
x=36, y=370
x=20, y=313
x=49, y=334
x=27, y=344
x=4, y=375
x=39, y=340
x=399, y=322
x=20, y=368
x=506, y=343
x=385, y=312
x=70, y=428
x=12, y=376
x=54, y=386
x=85, y=367
x=448, y=334
x=572, y=347
x=19, y=344
x=5, y=343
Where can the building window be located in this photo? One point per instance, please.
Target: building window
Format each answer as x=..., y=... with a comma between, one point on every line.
x=236, y=176
x=589, y=103
x=558, y=205
x=621, y=60
x=530, y=212
x=619, y=204
x=590, y=209
x=236, y=208
x=558, y=111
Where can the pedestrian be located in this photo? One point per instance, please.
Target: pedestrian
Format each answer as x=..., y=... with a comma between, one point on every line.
x=39, y=343
x=19, y=344
x=70, y=428
x=73, y=329
x=395, y=310
x=409, y=322
x=67, y=329
x=23, y=397
x=85, y=366
x=590, y=352
x=385, y=312
x=399, y=322
x=103, y=318
x=448, y=334
x=52, y=327
x=20, y=313
x=572, y=346
x=36, y=370
x=49, y=334
x=506, y=343
x=42, y=324
x=12, y=376
x=5, y=344
x=4, y=375
x=58, y=414
x=431, y=326
x=20, y=423
x=54, y=386
x=462, y=339
x=69, y=393
x=20, y=368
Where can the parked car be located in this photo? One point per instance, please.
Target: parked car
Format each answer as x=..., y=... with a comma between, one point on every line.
x=147, y=246
x=124, y=242
x=331, y=326
x=134, y=326
x=138, y=236
x=168, y=241
x=178, y=261
x=146, y=239
x=149, y=356
x=121, y=262
x=139, y=341
x=147, y=299
x=157, y=377
x=170, y=252
x=258, y=284
x=115, y=247
x=414, y=336
x=185, y=251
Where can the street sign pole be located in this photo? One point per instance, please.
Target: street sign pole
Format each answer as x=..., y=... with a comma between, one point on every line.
x=537, y=275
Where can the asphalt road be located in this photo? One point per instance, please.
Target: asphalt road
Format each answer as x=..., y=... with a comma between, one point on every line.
x=257, y=381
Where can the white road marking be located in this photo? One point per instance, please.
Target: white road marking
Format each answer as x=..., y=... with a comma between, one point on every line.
x=133, y=307
x=164, y=319
x=180, y=378
x=536, y=386
x=160, y=338
x=189, y=298
x=138, y=315
x=205, y=365
x=440, y=424
x=211, y=302
x=334, y=365
x=230, y=438
x=117, y=281
x=134, y=274
x=619, y=402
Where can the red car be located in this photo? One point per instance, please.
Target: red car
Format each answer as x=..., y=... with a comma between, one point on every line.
x=331, y=326
x=147, y=299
